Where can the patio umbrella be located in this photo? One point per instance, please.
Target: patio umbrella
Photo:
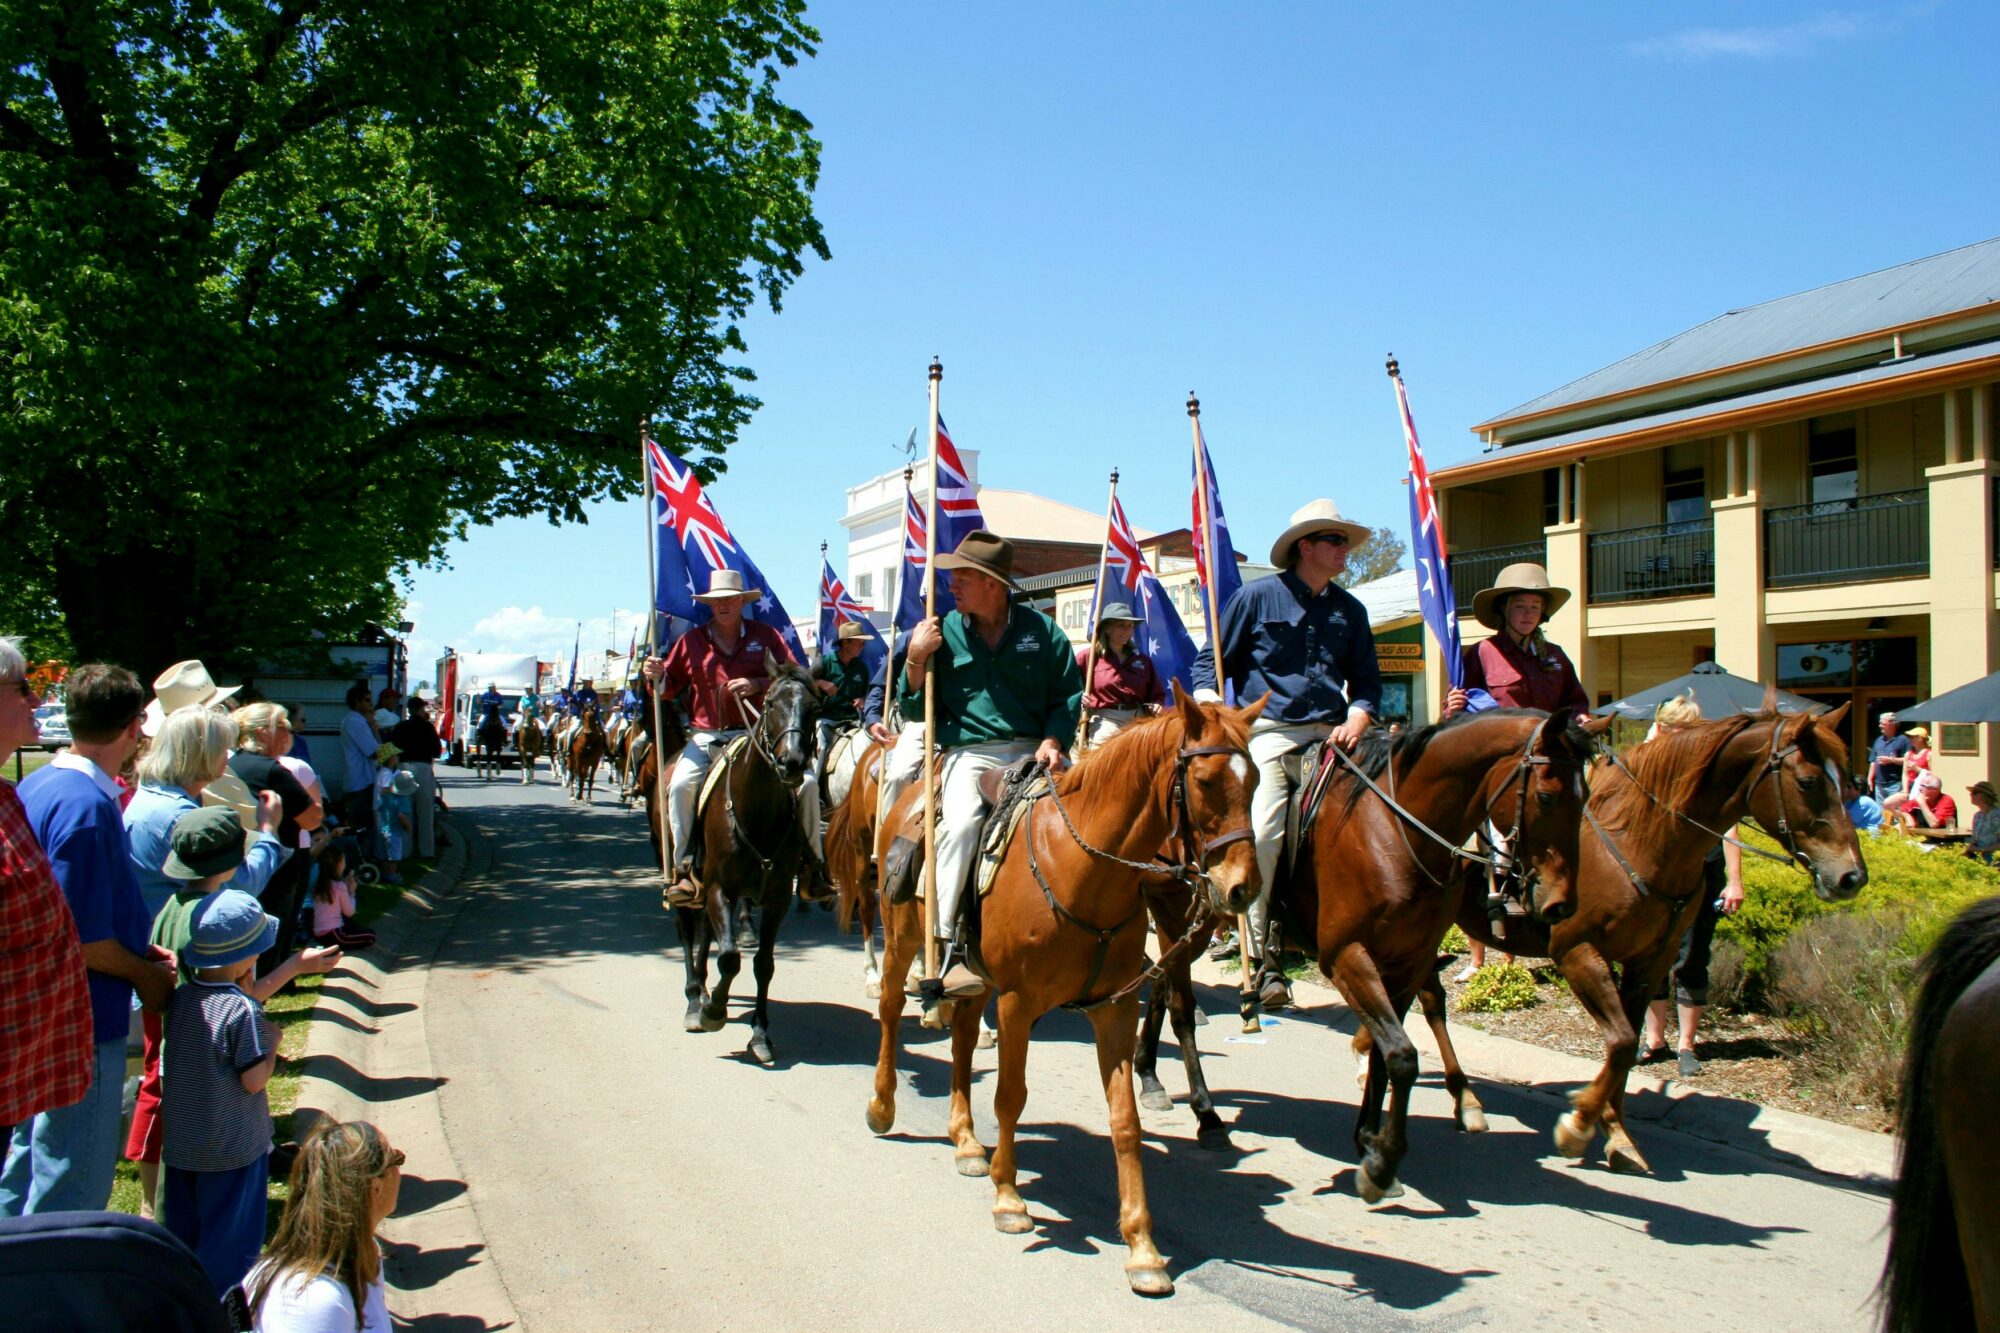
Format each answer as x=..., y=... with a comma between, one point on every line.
x=1716, y=693
x=1977, y=702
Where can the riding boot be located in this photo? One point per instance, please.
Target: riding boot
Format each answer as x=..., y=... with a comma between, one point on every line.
x=1273, y=991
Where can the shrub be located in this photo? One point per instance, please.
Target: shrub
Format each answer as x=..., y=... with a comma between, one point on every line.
x=1843, y=983
x=1454, y=941
x=1497, y=988
x=1726, y=976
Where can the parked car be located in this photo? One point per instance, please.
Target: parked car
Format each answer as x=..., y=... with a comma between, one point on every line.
x=54, y=724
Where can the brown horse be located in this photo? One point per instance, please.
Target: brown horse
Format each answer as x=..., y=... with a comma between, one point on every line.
x=1943, y=1268
x=1374, y=890
x=528, y=740
x=850, y=844
x=584, y=752
x=1652, y=818
x=1084, y=943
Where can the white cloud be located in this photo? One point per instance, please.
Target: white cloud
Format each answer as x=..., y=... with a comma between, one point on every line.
x=1783, y=41
x=532, y=630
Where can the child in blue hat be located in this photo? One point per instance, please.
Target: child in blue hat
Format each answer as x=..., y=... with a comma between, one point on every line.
x=220, y=1052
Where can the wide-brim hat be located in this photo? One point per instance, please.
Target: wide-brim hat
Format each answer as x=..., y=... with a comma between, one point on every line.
x=985, y=553
x=229, y=927
x=1117, y=611
x=1984, y=788
x=233, y=792
x=179, y=685
x=851, y=632
x=1319, y=516
x=1487, y=603
x=723, y=585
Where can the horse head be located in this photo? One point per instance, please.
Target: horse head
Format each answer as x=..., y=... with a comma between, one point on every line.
x=1212, y=805
x=1548, y=810
x=1796, y=797
x=784, y=733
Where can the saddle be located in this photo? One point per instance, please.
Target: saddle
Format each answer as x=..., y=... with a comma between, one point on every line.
x=1009, y=793
x=1311, y=770
x=844, y=739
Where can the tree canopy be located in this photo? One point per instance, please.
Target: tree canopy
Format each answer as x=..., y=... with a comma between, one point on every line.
x=292, y=291
x=1381, y=557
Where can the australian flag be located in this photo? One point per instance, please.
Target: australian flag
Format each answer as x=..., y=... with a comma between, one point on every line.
x=1214, y=554
x=691, y=542
x=837, y=608
x=1434, y=594
x=958, y=514
x=1160, y=635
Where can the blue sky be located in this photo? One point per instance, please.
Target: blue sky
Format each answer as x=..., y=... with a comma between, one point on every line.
x=1088, y=209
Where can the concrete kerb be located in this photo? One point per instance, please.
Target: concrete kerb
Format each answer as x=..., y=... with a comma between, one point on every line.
x=1786, y=1137
x=368, y=1058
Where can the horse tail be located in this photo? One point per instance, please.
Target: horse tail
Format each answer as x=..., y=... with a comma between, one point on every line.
x=846, y=862
x=1924, y=1283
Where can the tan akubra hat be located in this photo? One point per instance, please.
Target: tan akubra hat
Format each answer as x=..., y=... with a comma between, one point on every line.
x=1319, y=516
x=1488, y=603
x=985, y=552
x=182, y=684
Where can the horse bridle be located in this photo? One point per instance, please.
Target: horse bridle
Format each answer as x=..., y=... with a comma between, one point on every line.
x=763, y=750
x=1528, y=759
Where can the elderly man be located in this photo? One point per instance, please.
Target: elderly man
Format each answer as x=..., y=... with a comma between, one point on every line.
x=721, y=665
x=1007, y=687
x=1304, y=640
x=1885, y=759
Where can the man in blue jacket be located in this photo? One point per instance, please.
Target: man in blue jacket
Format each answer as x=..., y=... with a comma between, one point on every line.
x=1304, y=640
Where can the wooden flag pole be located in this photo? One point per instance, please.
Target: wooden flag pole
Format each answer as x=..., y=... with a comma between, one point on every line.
x=930, y=989
x=1247, y=1001
x=892, y=716
x=653, y=633
x=1082, y=745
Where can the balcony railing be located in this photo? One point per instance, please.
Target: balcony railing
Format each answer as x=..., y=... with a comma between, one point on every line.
x=1885, y=536
x=1662, y=560
x=1476, y=569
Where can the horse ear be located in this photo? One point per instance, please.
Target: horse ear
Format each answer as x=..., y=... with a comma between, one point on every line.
x=1190, y=711
x=770, y=663
x=1254, y=709
x=1770, y=707
x=1831, y=721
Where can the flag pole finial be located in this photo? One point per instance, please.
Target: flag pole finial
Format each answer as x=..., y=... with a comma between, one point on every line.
x=1114, y=476
x=937, y=370
x=822, y=550
x=1194, y=404
x=1395, y=371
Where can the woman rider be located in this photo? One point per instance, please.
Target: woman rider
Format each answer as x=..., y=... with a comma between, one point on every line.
x=1518, y=667
x=1123, y=684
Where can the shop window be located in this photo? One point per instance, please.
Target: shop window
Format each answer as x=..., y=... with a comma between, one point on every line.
x=864, y=586
x=1806, y=666
x=1885, y=662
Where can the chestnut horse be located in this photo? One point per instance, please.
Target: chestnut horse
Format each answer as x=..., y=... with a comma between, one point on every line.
x=850, y=845
x=1943, y=1268
x=1064, y=924
x=1653, y=816
x=584, y=751
x=528, y=741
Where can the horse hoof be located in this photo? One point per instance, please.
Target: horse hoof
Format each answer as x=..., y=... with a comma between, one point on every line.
x=874, y=989
x=1214, y=1138
x=970, y=1163
x=988, y=1039
x=713, y=1022
x=879, y=1121
x=1150, y=1281
x=1472, y=1120
x=1013, y=1224
x=1200, y=1017
x=1627, y=1159
x=692, y=1023
x=1572, y=1140
x=760, y=1051
x=1373, y=1193
x=1154, y=1098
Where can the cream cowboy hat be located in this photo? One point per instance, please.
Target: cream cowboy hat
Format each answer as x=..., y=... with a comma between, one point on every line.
x=182, y=684
x=1319, y=516
x=723, y=585
x=1488, y=603
x=233, y=792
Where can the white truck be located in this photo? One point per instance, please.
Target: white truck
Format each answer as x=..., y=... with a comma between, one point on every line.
x=463, y=677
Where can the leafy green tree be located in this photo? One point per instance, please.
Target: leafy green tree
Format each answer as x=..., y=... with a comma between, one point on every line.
x=292, y=291
x=1381, y=557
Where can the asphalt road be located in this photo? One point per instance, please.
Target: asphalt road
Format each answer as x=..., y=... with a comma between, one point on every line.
x=629, y=1175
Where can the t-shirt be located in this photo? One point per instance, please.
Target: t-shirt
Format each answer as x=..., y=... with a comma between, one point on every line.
x=331, y=912
x=1889, y=777
x=418, y=741
x=261, y=773
x=295, y=1304
x=1986, y=829
x=214, y=1032
x=1943, y=811
x=82, y=829
x=1864, y=811
x=357, y=750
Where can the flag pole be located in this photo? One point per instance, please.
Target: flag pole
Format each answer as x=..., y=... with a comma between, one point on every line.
x=1246, y=1004
x=889, y=710
x=1082, y=745
x=930, y=989
x=653, y=633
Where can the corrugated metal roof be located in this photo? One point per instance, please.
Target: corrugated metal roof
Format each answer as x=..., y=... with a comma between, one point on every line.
x=1922, y=289
x=1693, y=414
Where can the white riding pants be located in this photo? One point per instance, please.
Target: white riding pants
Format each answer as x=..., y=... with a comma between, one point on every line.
x=905, y=762
x=1108, y=722
x=685, y=784
x=1270, y=742
x=960, y=809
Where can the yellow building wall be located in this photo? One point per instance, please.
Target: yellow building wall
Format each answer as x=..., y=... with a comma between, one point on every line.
x=1627, y=663
x=1500, y=511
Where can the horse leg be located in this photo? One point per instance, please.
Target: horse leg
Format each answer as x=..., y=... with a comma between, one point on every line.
x=968, y=1154
x=1361, y=985
x=1210, y=1132
x=728, y=962
x=1010, y=1094
x=694, y=957
x=1590, y=981
x=762, y=966
x=1144, y=1268
x=871, y=972
x=1470, y=1115
x=1636, y=990
x=1145, y=1058
x=897, y=955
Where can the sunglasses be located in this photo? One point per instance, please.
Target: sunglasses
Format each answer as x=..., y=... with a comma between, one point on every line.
x=1330, y=538
x=394, y=1160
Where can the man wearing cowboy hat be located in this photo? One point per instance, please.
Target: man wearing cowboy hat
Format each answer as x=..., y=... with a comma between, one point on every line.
x=179, y=685
x=1304, y=640
x=721, y=665
x=843, y=682
x=1518, y=667
x=1007, y=687
x=1123, y=685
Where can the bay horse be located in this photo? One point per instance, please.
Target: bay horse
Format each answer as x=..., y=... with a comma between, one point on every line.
x=1943, y=1266
x=850, y=845
x=491, y=738
x=1654, y=814
x=1186, y=772
x=753, y=846
x=584, y=752
x=528, y=741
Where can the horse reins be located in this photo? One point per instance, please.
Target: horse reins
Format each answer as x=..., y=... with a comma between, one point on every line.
x=757, y=744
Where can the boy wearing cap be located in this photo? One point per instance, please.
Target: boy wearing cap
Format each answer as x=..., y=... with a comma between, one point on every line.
x=221, y=1052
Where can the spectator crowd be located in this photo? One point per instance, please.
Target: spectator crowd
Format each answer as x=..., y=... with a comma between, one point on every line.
x=160, y=880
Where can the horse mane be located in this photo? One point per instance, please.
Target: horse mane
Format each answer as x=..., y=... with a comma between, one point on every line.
x=1675, y=766
x=1140, y=748
x=1924, y=1284
x=1378, y=749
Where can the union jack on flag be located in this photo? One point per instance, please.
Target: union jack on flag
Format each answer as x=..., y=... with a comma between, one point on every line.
x=958, y=514
x=1160, y=633
x=1434, y=594
x=701, y=544
x=836, y=608
x=686, y=507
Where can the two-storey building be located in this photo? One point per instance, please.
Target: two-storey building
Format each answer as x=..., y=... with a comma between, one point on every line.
x=1802, y=490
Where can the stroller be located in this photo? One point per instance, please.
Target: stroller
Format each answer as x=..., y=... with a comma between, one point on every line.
x=81, y=1272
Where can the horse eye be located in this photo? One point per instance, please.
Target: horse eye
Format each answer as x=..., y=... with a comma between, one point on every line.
x=1809, y=781
x=1547, y=799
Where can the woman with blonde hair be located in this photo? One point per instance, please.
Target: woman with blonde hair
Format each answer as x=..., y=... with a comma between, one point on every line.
x=323, y=1270
x=263, y=733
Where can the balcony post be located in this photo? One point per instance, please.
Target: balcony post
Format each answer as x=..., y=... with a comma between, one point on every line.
x=1963, y=629
x=1568, y=563
x=1743, y=642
